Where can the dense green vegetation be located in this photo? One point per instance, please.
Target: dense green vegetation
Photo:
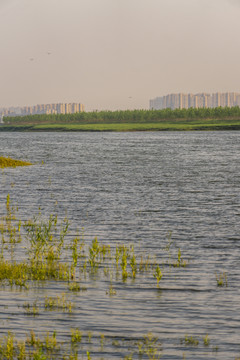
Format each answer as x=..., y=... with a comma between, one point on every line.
x=136, y=120
x=8, y=162
x=129, y=116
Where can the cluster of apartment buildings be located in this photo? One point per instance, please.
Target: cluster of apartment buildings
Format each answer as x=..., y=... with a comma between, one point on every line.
x=203, y=100
x=61, y=108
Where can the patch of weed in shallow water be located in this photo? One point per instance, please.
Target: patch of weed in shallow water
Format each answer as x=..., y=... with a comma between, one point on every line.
x=221, y=279
x=9, y=162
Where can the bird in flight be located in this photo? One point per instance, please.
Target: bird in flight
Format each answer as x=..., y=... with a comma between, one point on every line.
x=48, y=53
x=31, y=59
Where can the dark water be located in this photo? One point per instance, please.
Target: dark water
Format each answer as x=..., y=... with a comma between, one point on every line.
x=135, y=188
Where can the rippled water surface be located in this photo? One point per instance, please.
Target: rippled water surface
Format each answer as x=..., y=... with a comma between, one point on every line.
x=137, y=188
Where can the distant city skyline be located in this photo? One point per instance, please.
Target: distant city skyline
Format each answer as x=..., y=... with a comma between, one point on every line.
x=116, y=54
x=59, y=108
x=200, y=100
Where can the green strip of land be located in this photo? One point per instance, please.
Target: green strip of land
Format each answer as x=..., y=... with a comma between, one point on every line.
x=136, y=120
x=128, y=127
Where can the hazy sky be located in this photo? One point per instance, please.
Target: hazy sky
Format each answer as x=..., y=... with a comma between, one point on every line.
x=116, y=54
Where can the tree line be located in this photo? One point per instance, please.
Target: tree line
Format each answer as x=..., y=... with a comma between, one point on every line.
x=128, y=116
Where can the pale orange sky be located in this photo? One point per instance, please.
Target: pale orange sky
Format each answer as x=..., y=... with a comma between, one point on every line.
x=116, y=54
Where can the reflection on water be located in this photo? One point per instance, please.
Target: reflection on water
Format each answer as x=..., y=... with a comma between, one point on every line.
x=135, y=188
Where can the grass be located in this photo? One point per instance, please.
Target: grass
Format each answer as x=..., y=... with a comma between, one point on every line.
x=50, y=256
x=58, y=303
x=189, y=341
x=180, y=262
x=45, y=247
x=8, y=162
x=76, y=336
x=221, y=279
x=161, y=125
x=111, y=291
x=206, y=340
x=158, y=275
x=31, y=309
x=76, y=287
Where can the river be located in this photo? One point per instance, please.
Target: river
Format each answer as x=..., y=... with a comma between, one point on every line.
x=139, y=188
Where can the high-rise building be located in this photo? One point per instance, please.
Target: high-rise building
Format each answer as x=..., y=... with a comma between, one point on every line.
x=201, y=100
x=61, y=108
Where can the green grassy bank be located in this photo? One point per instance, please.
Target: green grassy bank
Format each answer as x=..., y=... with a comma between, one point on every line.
x=201, y=125
x=136, y=120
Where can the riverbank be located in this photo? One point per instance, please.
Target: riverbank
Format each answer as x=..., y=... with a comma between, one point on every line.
x=129, y=120
x=203, y=125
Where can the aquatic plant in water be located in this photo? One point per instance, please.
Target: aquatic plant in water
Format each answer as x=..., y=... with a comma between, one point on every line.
x=58, y=303
x=189, y=341
x=111, y=291
x=221, y=279
x=9, y=162
x=45, y=259
x=180, y=262
x=158, y=274
x=76, y=336
x=206, y=340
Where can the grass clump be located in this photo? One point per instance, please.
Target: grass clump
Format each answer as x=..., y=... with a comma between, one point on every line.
x=31, y=348
x=189, y=341
x=221, y=279
x=180, y=262
x=152, y=347
x=31, y=309
x=9, y=162
x=76, y=336
x=111, y=291
x=206, y=340
x=75, y=287
x=158, y=275
x=58, y=303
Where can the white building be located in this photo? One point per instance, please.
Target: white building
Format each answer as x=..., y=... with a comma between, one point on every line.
x=202, y=100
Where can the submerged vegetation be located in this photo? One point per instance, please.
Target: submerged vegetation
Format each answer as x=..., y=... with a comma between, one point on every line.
x=45, y=242
x=49, y=346
x=221, y=279
x=49, y=255
x=8, y=162
x=130, y=120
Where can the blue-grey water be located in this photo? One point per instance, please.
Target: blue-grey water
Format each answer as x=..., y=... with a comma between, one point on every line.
x=137, y=188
